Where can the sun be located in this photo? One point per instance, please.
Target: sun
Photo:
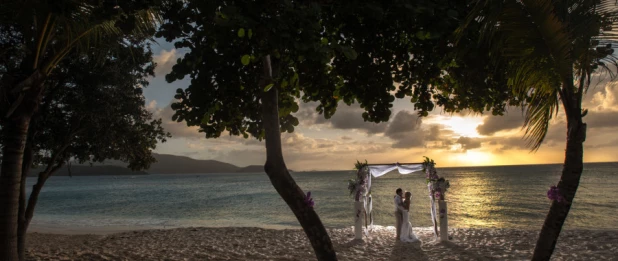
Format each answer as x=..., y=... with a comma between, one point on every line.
x=461, y=126
x=474, y=158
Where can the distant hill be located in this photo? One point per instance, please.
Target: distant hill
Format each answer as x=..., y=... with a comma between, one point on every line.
x=87, y=170
x=166, y=164
x=252, y=169
x=172, y=164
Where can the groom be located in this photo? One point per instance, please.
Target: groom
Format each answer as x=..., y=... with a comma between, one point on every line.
x=398, y=210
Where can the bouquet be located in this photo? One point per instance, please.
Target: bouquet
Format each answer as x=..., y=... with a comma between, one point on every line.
x=357, y=186
x=437, y=185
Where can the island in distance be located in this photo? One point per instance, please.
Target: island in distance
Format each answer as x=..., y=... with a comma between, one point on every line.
x=166, y=164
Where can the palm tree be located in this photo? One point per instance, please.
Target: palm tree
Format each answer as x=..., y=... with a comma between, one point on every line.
x=34, y=37
x=549, y=50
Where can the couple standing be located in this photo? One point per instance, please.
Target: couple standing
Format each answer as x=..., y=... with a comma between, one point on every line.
x=402, y=215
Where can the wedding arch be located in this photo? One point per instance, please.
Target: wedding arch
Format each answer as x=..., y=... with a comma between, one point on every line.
x=360, y=188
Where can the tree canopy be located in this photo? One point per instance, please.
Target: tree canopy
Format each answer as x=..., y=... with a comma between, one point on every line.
x=368, y=52
x=94, y=109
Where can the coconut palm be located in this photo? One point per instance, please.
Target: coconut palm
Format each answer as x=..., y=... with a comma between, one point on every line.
x=35, y=36
x=550, y=50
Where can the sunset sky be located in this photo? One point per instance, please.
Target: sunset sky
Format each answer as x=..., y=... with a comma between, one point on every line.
x=335, y=144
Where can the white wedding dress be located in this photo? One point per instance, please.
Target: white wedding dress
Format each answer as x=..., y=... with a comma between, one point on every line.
x=407, y=235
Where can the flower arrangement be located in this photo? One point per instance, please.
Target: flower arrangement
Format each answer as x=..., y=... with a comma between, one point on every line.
x=554, y=194
x=358, y=185
x=308, y=200
x=437, y=185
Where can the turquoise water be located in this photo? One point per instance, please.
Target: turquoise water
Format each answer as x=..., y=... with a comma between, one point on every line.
x=482, y=197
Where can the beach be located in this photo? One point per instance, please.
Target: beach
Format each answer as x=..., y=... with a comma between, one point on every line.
x=245, y=243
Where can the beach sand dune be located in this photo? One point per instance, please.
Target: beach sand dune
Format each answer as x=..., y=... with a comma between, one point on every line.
x=291, y=244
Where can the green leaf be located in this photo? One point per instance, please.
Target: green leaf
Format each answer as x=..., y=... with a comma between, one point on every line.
x=294, y=80
x=250, y=33
x=205, y=119
x=268, y=87
x=241, y=32
x=324, y=41
x=246, y=59
x=420, y=35
x=349, y=52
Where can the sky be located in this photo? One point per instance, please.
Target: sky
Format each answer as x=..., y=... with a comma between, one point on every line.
x=337, y=143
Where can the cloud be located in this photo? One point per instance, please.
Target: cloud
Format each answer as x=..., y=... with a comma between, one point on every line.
x=177, y=129
x=468, y=143
x=493, y=124
x=602, y=119
x=306, y=153
x=438, y=132
x=165, y=61
x=603, y=106
x=405, y=130
x=346, y=118
x=605, y=99
x=611, y=143
x=437, y=136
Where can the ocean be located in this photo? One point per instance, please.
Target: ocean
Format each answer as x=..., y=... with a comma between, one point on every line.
x=479, y=197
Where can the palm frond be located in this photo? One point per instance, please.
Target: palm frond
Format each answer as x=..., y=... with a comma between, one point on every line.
x=82, y=29
x=536, y=42
x=538, y=113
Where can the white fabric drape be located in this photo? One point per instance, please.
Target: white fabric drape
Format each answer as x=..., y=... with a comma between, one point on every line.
x=433, y=212
x=380, y=170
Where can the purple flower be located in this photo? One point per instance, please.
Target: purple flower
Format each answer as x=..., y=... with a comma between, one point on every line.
x=308, y=200
x=554, y=194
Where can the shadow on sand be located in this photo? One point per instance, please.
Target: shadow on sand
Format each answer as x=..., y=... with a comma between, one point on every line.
x=350, y=244
x=460, y=251
x=408, y=251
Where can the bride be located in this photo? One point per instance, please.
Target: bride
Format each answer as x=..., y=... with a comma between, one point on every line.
x=407, y=235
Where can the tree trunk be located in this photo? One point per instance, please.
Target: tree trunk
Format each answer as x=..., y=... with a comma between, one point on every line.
x=569, y=181
x=22, y=226
x=281, y=179
x=16, y=132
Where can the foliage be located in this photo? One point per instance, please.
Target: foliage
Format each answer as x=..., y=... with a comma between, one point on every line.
x=359, y=184
x=360, y=165
x=500, y=62
x=543, y=54
x=438, y=186
x=48, y=31
x=328, y=53
x=427, y=163
x=35, y=37
x=94, y=109
x=352, y=184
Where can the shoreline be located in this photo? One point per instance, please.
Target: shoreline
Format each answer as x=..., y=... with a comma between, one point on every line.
x=245, y=243
x=109, y=230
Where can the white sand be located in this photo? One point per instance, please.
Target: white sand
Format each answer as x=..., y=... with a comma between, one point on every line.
x=291, y=244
